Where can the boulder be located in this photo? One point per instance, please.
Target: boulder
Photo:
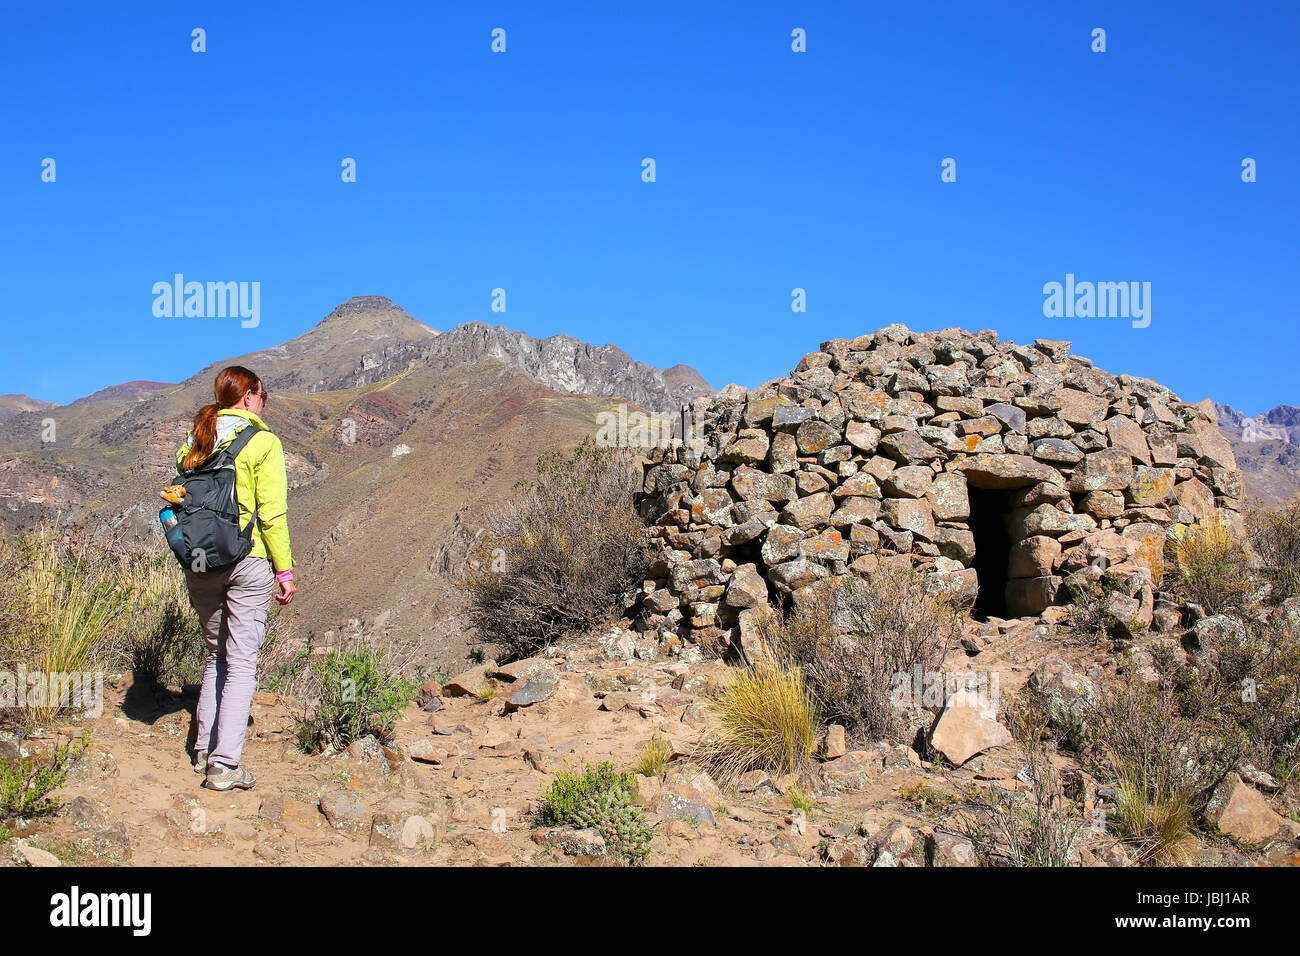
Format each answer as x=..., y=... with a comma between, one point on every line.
x=1244, y=815
x=810, y=512
x=966, y=728
x=747, y=588
x=910, y=481
x=792, y=575
x=909, y=514
x=1127, y=436
x=814, y=436
x=1006, y=471
x=1029, y=597
x=1105, y=470
x=1033, y=557
x=1150, y=486
x=949, y=500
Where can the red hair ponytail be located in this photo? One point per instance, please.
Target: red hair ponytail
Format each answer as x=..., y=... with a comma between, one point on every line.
x=232, y=384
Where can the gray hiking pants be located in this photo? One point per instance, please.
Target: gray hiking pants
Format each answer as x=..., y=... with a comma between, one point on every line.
x=232, y=606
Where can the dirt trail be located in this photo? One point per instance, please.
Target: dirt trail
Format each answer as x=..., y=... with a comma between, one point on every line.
x=460, y=781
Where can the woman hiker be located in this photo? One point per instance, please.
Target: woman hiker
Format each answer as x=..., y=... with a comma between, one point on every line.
x=232, y=604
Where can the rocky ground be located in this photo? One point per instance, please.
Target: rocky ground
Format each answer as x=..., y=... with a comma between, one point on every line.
x=460, y=781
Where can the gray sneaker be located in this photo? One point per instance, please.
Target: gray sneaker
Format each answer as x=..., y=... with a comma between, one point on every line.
x=228, y=778
x=200, y=761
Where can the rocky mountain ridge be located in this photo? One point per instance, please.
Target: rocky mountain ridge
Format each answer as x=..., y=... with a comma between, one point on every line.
x=1267, y=447
x=394, y=451
x=570, y=367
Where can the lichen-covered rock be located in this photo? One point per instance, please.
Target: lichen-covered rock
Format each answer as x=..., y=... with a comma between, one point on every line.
x=1245, y=815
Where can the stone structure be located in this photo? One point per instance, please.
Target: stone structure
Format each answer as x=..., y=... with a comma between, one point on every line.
x=1000, y=469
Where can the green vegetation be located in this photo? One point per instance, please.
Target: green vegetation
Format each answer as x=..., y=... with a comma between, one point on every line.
x=27, y=783
x=653, y=758
x=1275, y=538
x=356, y=694
x=61, y=611
x=165, y=642
x=800, y=801
x=75, y=606
x=1037, y=827
x=927, y=799
x=1208, y=565
x=599, y=798
x=1092, y=612
x=1167, y=749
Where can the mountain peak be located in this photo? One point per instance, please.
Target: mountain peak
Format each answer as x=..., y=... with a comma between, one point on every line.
x=134, y=390
x=365, y=311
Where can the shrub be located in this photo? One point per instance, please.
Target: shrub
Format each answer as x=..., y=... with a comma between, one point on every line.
x=800, y=801
x=1209, y=566
x=1038, y=827
x=599, y=798
x=1252, y=691
x=1275, y=538
x=1092, y=612
x=561, y=556
x=1157, y=824
x=763, y=719
x=1166, y=753
x=855, y=645
x=284, y=666
x=358, y=695
x=925, y=798
x=26, y=783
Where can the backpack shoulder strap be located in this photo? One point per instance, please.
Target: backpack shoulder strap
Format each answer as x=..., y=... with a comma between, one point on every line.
x=243, y=438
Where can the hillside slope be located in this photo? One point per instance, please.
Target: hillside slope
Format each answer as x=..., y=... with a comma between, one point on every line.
x=380, y=537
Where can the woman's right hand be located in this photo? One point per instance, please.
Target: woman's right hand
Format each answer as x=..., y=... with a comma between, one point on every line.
x=288, y=589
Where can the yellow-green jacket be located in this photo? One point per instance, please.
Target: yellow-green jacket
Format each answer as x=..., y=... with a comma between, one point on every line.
x=260, y=482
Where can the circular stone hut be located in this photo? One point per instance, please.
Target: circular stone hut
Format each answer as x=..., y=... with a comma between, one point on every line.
x=1004, y=471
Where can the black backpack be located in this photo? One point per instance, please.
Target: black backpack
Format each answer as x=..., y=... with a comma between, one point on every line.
x=211, y=539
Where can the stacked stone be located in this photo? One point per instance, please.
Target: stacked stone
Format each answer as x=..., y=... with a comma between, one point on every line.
x=865, y=454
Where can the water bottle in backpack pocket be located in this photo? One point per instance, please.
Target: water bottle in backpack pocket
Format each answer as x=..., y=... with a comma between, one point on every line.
x=203, y=530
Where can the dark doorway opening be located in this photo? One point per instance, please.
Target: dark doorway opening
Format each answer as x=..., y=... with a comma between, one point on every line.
x=988, y=509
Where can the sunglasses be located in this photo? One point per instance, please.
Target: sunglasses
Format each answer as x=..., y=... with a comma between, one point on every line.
x=264, y=395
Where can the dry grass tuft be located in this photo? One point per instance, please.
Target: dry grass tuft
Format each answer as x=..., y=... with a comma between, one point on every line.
x=763, y=719
x=1210, y=566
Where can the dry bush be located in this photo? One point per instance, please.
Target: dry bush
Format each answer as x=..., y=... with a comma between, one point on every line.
x=1166, y=753
x=763, y=719
x=1252, y=690
x=562, y=556
x=1092, y=612
x=865, y=635
x=1210, y=566
x=1037, y=827
x=162, y=638
x=1275, y=538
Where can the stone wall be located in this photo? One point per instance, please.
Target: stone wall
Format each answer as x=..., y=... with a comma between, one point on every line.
x=874, y=448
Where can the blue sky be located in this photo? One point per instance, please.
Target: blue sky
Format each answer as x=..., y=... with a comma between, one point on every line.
x=775, y=170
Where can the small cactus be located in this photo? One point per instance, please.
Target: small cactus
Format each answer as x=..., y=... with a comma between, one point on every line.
x=600, y=799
